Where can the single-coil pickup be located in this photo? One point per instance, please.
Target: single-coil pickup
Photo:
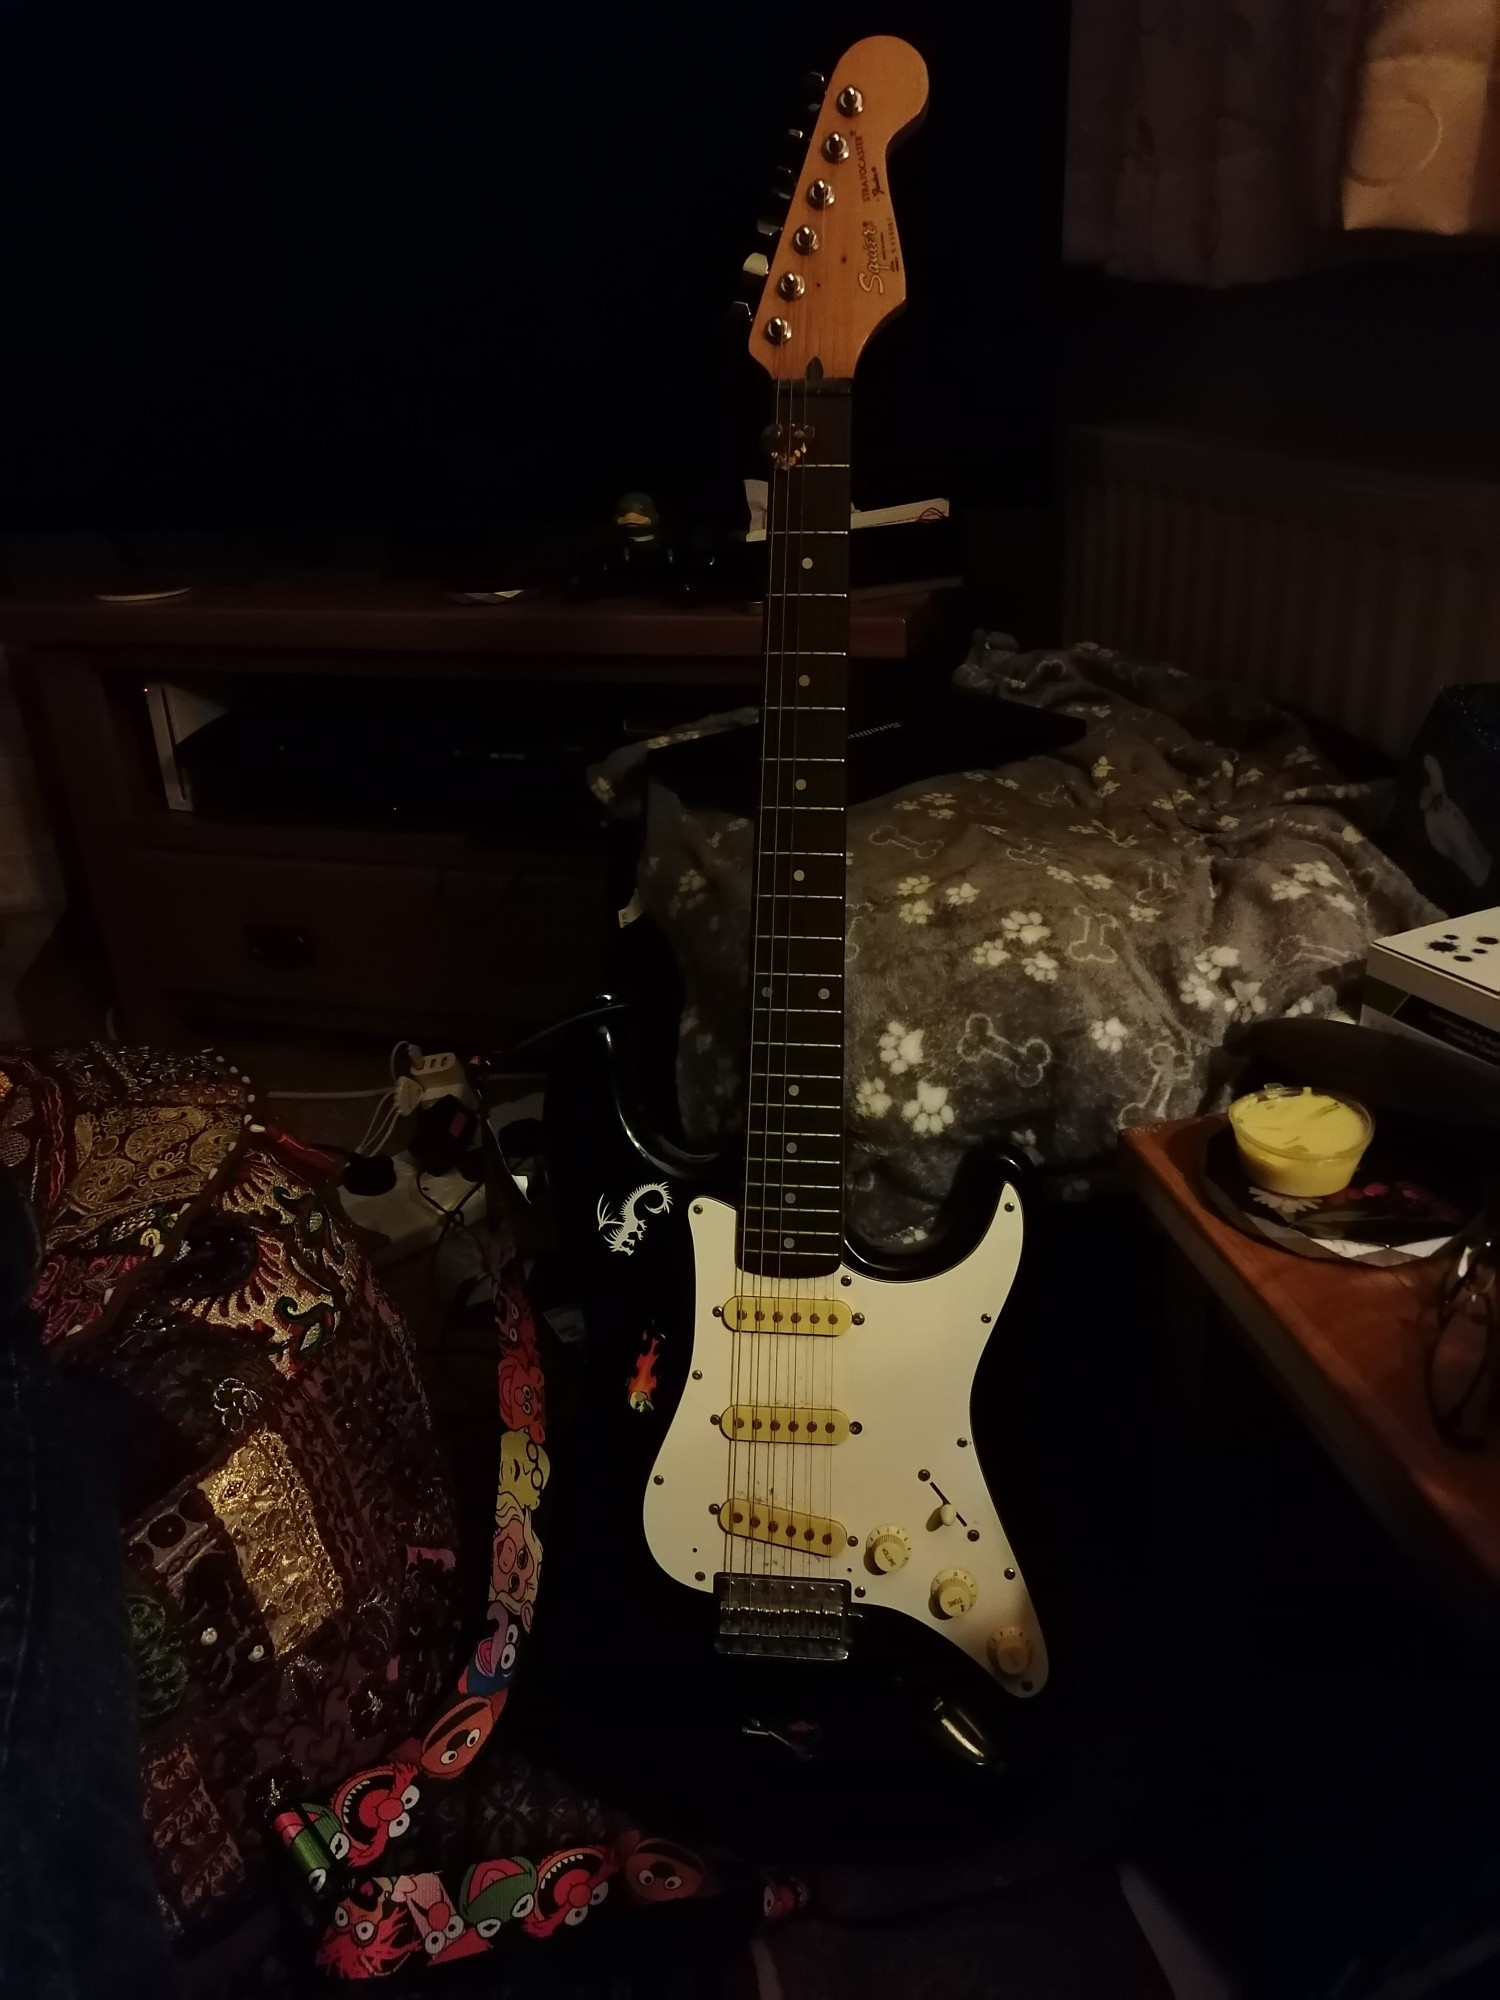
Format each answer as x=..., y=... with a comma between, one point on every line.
x=767, y=1521
x=778, y=1423
x=746, y=1314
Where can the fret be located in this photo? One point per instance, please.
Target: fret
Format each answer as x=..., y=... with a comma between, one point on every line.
x=809, y=1209
x=779, y=1042
x=801, y=1077
x=769, y=1228
x=782, y=1223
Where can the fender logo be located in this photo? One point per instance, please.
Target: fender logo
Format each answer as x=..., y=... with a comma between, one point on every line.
x=870, y=278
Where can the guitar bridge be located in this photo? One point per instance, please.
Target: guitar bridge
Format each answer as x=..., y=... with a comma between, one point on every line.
x=782, y=1617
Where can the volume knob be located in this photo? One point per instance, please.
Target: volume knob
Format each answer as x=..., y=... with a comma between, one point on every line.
x=888, y=1549
x=954, y=1592
x=1010, y=1650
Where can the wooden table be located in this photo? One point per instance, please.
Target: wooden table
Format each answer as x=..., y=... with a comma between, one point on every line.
x=1344, y=1346
x=315, y=921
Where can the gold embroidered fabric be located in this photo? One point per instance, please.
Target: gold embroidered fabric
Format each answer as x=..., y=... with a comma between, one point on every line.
x=267, y=1512
x=133, y=1156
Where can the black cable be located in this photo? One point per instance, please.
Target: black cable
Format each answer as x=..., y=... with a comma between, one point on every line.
x=595, y=1013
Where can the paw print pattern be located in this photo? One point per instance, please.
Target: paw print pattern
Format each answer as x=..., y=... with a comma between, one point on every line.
x=929, y=1112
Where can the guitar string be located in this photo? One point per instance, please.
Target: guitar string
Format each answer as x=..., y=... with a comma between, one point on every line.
x=842, y=450
x=744, y=1288
x=828, y=1353
x=783, y=826
x=767, y=1346
x=788, y=1348
x=765, y=1340
x=785, y=1345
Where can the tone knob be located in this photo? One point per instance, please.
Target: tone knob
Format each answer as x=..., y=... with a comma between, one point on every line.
x=1010, y=1650
x=888, y=1548
x=954, y=1592
x=820, y=194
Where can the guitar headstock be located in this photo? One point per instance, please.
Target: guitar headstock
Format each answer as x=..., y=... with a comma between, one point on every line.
x=836, y=273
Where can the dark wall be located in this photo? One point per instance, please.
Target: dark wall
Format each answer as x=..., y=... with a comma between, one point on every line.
x=353, y=262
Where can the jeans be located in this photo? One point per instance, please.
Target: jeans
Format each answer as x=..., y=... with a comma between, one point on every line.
x=78, y=1913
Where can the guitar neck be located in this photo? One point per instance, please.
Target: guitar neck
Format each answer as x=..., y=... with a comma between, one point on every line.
x=792, y=1217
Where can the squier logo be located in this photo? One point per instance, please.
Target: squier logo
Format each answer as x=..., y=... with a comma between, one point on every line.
x=870, y=278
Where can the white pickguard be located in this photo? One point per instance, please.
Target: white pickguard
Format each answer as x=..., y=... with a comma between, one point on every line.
x=905, y=1375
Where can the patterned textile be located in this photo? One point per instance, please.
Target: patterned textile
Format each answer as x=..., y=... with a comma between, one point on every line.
x=429, y=1855
x=1205, y=137
x=289, y=1536
x=1043, y=953
x=113, y=1147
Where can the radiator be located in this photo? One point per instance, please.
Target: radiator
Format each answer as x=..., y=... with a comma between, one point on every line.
x=1353, y=592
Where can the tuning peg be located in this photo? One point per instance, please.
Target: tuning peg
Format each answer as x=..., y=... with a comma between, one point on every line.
x=814, y=84
x=795, y=136
x=769, y=227
x=783, y=186
x=753, y=274
x=740, y=316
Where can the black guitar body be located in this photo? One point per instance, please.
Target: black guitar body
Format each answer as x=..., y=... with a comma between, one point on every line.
x=625, y=1685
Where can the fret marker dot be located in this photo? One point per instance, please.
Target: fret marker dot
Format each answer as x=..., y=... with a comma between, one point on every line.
x=807, y=562
x=822, y=992
x=792, y=1146
x=799, y=874
x=789, y=1242
x=804, y=680
x=794, y=1090
x=791, y=1200
x=765, y=993
x=801, y=784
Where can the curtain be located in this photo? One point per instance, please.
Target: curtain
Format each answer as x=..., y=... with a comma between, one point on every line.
x=1225, y=141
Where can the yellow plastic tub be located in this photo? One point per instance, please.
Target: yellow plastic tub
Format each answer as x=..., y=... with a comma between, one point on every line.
x=1300, y=1142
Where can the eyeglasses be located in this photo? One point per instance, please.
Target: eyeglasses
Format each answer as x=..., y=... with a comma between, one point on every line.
x=1460, y=1356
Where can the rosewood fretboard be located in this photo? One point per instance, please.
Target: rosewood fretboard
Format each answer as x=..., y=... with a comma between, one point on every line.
x=792, y=1221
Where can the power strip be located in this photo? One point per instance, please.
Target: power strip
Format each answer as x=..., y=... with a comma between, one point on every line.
x=406, y=1220
x=430, y=1077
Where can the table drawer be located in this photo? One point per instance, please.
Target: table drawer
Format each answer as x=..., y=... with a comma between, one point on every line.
x=372, y=942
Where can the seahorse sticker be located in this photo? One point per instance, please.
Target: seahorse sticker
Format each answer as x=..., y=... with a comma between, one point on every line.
x=622, y=1232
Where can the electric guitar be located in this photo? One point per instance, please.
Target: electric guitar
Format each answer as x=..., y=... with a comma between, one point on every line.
x=779, y=1580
